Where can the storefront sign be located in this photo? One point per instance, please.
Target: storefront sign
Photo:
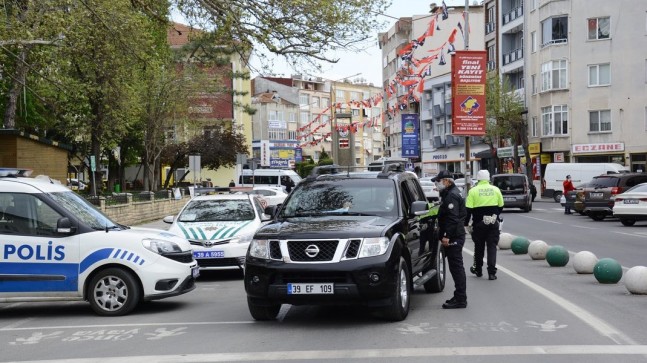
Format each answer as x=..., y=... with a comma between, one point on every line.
x=610, y=147
x=559, y=157
x=546, y=159
x=468, y=92
x=534, y=148
x=506, y=152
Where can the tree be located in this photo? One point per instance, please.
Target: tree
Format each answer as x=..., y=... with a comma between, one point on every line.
x=303, y=32
x=505, y=113
x=216, y=149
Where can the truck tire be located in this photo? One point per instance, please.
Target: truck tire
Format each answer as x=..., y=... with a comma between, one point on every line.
x=113, y=292
x=437, y=283
x=262, y=312
x=401, y=299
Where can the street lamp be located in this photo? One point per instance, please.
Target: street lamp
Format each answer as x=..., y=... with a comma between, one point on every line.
x=333, y=122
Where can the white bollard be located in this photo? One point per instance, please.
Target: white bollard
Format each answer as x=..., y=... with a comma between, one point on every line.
x=537, y=250
x=636, y=280
x=505, y=241
x=584, y=262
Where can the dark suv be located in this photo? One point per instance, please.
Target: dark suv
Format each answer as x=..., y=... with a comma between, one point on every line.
x=346, y=238
x=596, y=197
x=516, y=190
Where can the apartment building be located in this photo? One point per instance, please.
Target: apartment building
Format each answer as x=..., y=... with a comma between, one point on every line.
x=587, y=86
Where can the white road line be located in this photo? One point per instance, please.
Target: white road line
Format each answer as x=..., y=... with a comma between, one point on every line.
x=629, y=234
x=543, y=220
x=17, y=324
x=283, y=312
x=593, y=321
x=583, y=227
x=531, y=350
x=128, y=325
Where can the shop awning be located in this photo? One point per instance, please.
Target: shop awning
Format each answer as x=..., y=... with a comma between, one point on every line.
x=485, y=154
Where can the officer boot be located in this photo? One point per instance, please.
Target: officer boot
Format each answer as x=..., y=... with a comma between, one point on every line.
x=476, y=271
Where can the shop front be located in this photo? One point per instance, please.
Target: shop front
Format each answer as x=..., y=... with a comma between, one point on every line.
x=452, y=160
x=610, y=152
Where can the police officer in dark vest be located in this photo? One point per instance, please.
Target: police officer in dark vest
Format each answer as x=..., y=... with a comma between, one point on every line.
x=451, y=218
x=484, y=204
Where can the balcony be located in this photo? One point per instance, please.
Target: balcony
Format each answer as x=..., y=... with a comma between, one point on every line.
x=513, y=56
x=514, y=14
x=490, y=27
x=491, y=65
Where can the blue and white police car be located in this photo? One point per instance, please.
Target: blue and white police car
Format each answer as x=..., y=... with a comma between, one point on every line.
x=56, y=246
x=220, y=227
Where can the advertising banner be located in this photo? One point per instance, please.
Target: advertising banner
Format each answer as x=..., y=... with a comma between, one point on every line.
x=298, y=154
x=468, y=92
x=410, y=144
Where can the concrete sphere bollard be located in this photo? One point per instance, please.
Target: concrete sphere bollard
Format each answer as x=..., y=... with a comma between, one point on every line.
x=607, y=271
x=584, y=262
x=636, y=280
x=505, y=241
x=520, y=245
x=537, y=250
x=557, y=256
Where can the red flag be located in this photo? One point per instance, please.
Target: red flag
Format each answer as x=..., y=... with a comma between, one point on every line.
x=432, y=27
x=452, y=37
x=421, y=86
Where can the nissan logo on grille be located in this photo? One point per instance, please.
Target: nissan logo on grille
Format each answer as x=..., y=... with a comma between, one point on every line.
x=312, y=251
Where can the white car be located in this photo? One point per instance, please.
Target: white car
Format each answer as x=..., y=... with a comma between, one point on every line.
x=56, y=246
x=219, y=227
x=431, y=192
x=272, y=195
x=631, y=206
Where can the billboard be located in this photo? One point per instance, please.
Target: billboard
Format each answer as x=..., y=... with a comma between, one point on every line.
x=410, y=144
x=468, y=92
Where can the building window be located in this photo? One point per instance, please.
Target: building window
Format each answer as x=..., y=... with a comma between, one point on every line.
x=553, y=75
x=554, y=30
x=534, y=127
x=292, y=135
x=305, y=118
x=271, y=116
x=276, y=134
x=599, y=28
x=355, y=112
x=304, y=99
x=600, y=121
x=169, y=134
x=533, y=79
x=325, y=102
x=292, y=117
x=600, y=75
x=554, y=120
x=533, y=41
x=315, y=102
x=340, y=95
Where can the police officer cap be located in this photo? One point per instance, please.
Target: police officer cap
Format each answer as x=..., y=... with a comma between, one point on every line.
x=483, y=175
x=444, y=174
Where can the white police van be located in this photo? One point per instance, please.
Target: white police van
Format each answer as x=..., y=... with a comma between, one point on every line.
x=56, y=246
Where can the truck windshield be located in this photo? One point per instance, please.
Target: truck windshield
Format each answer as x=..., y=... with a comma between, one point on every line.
x=83, y=210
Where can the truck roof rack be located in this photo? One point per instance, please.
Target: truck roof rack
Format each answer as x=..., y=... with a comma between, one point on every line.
x=15, y=172
x=389, y=169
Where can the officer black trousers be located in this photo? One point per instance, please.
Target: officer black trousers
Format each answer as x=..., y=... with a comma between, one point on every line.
x=483, y=236
x=454, y=254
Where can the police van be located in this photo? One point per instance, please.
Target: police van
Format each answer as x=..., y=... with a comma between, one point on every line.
x=56, y=246
x=269, y=177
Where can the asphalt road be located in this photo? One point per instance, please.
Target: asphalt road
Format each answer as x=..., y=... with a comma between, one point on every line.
x=532, y=313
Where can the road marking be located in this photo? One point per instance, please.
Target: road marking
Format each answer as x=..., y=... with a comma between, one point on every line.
x=346, y=354
x=593, y=321
x=629, y=234
x=543, y=220
x=127, y=325
x=584, y=227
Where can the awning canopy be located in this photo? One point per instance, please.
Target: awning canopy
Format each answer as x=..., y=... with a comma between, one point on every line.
x=485, y=154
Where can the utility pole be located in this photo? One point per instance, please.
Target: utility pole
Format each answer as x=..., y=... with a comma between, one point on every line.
x=468, y=167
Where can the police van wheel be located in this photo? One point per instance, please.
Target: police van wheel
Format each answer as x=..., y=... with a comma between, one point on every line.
x=437, y=283
x=113, y=292
x=401, y=299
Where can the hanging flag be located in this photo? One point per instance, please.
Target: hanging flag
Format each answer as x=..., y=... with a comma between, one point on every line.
x=432, y=26
x=445, y=12
x=452, y=36
x=468, y=26
x=442, y=60
x=421, y=86
x=460, y=27
x=451, y=48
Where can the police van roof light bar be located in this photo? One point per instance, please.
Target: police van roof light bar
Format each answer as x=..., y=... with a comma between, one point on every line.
x=15, y=172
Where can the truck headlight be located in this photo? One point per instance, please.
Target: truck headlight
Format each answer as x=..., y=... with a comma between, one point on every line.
x=245, y=238
x=374, y=247
x=161, y=246
x=259, y=248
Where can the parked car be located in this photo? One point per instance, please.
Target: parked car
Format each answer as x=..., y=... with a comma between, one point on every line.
x=573, y=198
x=556, y=173
x=460, y=183
x=631, y=206
x=430, y=189
x=76, y=184
x=272, y=195
x=219, y=228
x=516, y=190
x=597, y=197
x=347, y=238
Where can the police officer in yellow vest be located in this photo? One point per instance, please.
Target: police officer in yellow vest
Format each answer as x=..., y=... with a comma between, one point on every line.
x=484, y=204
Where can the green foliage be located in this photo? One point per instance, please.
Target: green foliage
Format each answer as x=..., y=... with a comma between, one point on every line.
x=323, y=154
x=325, y=162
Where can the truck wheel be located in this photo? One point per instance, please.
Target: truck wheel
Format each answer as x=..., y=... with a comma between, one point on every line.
x=400, y=300
x=557, y=196
x=627, y=222
x=263, y=312
x=597, y=216
x=437, y=283
x=113, y=292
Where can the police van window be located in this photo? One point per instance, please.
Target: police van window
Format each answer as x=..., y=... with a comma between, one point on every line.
x=267, y=179
x=245, y=179
x=83, y=210
x=26, y=215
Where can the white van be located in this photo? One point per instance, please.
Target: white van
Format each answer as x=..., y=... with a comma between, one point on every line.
x=270, y=177
x=378, y=164
x=553, y=181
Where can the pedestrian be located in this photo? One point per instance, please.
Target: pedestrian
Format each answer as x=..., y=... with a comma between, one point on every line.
x=287, y=183
x=451, y=218
x=568, y=186
x=232, y=183
x=484, y=204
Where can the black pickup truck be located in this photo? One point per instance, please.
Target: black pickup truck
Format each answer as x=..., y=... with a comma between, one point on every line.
x=346, y=237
